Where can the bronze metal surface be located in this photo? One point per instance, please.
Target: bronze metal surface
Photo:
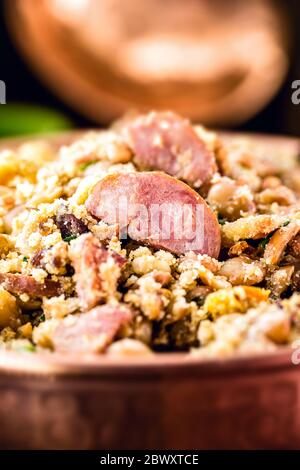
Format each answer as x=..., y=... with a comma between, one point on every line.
x=217, y=62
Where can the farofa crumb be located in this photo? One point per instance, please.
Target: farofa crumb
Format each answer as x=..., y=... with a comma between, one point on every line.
x=149, y=298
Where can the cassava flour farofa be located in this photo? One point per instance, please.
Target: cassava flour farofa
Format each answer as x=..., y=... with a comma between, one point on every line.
x=77, y=276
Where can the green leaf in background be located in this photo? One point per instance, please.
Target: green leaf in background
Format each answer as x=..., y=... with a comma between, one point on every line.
x=22, y=119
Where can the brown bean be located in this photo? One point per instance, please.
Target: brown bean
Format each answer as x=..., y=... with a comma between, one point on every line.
x=281, y=194
x=70, y=225
x=294, y=247
x=243, y=271
x=231, y=199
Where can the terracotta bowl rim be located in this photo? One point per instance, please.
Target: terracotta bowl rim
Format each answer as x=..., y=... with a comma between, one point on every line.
x=51, y=363
x=57, y=364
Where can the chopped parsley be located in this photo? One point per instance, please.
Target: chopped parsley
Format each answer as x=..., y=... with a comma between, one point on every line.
x=41, y=317
x=85, y=165
x=28, y=348
x=263, y=243
x=25, y=259
x=221, y=220
x=24, y=346
x=70, y=238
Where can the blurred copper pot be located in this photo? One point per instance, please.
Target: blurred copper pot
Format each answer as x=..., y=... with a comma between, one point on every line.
x=167, y=402
x=215, y=61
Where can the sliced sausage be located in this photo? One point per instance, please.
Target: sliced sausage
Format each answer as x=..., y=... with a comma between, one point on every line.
x=21, y=284
x=87, y=256
x=164, y=141
x=158, y=210
x=90, y=332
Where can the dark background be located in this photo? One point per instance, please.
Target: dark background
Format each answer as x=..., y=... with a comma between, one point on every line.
x=280, y=116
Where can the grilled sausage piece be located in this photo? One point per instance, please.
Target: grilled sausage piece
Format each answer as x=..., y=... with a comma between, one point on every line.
x=164, y=141
x=88, y=257
x=21, y=284
x=158, y=210
x=90, y=332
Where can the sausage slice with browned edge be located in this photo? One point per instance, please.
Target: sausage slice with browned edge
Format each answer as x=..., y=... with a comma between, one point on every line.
x=88, y=257
x=164, y=141
x=19, y=284
x=90, y=332
x=158, y=210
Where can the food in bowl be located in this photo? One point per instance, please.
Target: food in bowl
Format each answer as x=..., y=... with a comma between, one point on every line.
x=152, y=236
